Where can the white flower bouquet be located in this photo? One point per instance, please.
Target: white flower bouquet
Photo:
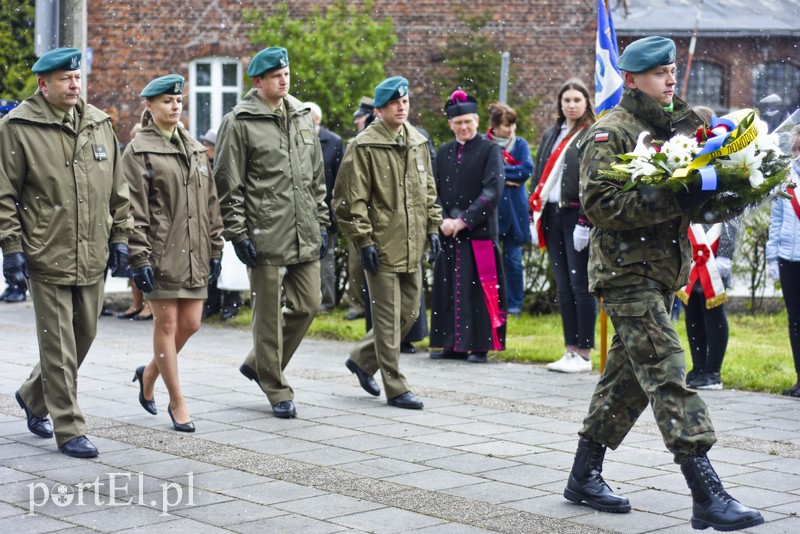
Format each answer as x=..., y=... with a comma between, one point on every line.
x=735, y=157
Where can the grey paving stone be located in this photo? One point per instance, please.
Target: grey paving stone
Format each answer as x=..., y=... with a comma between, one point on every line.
x=226, y=479
x=387, y=521
x=450, y=439
x=435, y=479
x=495, y=492
x=470, y=463
x=272, y=492
x=525, y=475
x=228, y=513
x=177, y=524
x=364, y=442
x=383, y=467
x=417, y=452
x=114, y=518
x=171, y=469
x=32, y=524
x=502, y=449
x=333, y=457
x=328, y=506
x=288, y=523
x=636, y=521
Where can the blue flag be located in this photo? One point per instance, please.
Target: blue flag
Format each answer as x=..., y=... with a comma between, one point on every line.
x=607, y=78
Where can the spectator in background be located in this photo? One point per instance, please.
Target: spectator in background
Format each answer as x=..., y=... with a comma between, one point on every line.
x=468, y=303
x=562, y=227
x=177, y=238
x=226, y=301
x=513, y=218
x=356, y=285
x=12, y=293
x=704, y=299
x=783, y=257
x=332, y=154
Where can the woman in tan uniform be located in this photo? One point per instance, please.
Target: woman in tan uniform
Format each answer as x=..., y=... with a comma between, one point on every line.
x=177, y=241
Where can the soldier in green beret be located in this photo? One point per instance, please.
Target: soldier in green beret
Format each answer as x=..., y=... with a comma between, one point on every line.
x=63, y=220
x=176, y=244
x=385, y=200
x=271, y=183
x=639, y=257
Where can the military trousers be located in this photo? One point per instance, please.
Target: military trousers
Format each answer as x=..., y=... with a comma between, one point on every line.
x=646, y=364
x=354, y=295
x=66, y=325
x=327, y=268
x=394, y=298
x=278, y=329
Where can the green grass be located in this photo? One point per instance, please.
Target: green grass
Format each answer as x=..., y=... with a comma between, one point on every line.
x=758, y=358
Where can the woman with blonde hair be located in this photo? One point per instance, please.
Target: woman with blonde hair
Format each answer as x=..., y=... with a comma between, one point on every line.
x=177, y=240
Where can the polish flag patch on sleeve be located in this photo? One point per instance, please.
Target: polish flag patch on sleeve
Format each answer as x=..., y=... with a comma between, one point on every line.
x=601, y=137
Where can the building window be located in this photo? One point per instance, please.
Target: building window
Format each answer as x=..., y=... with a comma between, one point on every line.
x=782, y=79
x=705, y=86
x=215, y=85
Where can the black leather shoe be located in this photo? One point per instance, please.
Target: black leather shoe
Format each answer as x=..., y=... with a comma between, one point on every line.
x=130, y=314
x=284, y=410
x=79, y=447
x=368, y=383
x=248, y=372
x=477, y=357
x=180, y=427
x=38, y=425
x=407, y=400
x=407, y=348
x=447, y=355
x=149, y=405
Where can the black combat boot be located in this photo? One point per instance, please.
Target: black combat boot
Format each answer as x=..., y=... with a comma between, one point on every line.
x=586, y=484
x=712, y=506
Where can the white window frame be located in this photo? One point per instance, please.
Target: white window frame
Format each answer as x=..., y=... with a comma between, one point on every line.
x=216, y=89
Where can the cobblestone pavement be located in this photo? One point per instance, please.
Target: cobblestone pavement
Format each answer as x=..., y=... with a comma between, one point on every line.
x=489, y=453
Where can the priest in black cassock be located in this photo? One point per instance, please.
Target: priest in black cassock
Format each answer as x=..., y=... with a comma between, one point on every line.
x=468, y=313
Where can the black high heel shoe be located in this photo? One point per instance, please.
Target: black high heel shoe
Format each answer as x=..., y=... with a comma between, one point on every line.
x=180, y=427
x=149, y=405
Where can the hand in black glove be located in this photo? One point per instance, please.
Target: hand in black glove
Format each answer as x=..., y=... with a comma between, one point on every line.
x=323, y=249
x=246, y=252
x=436, y=247
x=15, y=269
x=214, y=268
x=143, y=278
x=693, y=197
x=369, y=259
x=117, y=258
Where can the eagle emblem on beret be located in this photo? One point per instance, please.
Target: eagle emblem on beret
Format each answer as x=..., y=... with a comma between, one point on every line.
x=73, y=63
x=401, y=90
x=283, y=62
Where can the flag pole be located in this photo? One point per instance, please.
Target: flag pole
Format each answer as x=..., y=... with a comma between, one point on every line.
x=692, y=44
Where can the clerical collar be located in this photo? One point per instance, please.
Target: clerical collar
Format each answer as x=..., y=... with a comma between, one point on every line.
x=462, y=143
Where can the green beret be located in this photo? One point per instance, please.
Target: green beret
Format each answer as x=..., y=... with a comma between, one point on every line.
x=648, y=53
x=390, y=89
x=171, y=84
x=268, y=59
x=58, y=59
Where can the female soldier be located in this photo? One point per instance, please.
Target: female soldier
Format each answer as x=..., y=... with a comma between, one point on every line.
x=561, y=226
x=177, y=241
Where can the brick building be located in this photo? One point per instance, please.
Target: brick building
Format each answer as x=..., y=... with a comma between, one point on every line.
x=745, y=49
x=206, y=41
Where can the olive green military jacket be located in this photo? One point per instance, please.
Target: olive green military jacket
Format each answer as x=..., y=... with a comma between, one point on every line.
x=271, y=180
x=385, y=195
x=177, y=225
x=639, y=236
x=62, y=193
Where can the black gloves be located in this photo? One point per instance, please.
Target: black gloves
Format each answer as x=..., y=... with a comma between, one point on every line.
x=117, y=258
x=214, y=268
x=369, y=259
x=246, y=252
x=436, y=247
x=694, y=197
x=143, y=278
x=324, y=248
x=15, y=270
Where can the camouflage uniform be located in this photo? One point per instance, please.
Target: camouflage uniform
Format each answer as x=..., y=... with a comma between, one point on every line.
x=639, y=256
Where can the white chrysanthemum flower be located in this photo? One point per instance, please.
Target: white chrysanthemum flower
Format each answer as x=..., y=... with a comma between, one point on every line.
x=679, y=151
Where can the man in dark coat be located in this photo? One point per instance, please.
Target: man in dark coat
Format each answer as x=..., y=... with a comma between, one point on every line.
x=468, y=308
x=332, y=154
